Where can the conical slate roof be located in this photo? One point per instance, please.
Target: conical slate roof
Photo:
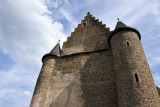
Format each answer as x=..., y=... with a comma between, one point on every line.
x=120, y=25
x=56, y=50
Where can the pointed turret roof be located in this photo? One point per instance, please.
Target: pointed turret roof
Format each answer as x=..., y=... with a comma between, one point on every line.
x=56, y=51
x=120, y=25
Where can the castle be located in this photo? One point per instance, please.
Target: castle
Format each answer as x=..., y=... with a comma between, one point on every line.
x=97, y=68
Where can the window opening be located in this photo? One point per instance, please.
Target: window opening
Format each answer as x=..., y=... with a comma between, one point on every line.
x=127, y=43
x=136, y=76
x=84, y=24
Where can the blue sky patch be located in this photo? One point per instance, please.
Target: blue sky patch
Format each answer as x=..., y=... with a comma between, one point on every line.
x=6, y=63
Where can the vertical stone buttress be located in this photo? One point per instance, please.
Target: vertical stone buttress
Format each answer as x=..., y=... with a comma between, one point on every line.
x=43, y=82
x=135, y=84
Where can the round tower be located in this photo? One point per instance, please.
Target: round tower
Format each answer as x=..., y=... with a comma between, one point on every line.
x=134, y=81
x=40, y=97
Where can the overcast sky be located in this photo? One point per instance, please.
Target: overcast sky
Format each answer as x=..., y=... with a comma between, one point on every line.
x=30, y=28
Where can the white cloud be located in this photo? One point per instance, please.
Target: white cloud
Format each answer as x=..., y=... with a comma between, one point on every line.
x=68, y=17
x=17, y=85
x=153, y=61
x=131, y=12
x=56, y=3
x=26, y=34
x=157, y=59
x=16, y=98
x=51, y=3
x=27, y=93
x=157, y=78
x=155, y=9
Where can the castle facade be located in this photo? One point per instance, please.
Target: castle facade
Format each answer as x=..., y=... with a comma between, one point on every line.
x=97, y=68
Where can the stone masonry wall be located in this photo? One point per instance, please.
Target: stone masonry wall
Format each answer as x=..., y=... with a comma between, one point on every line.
x=135, y=85
x=89, y=73
x=90, y=35
x=98, y=81
x=84, y=80
x=43, y=83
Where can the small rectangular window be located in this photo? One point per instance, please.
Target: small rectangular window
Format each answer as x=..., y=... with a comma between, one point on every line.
x=127, y=43
x=136, y=76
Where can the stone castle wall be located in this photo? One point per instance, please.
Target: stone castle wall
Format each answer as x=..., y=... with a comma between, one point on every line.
x=85, y=80
x=43, y=83
x=135, y=84
x=97, y=71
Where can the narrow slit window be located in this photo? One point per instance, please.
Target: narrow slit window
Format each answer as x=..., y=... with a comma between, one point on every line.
x=84, y=24
x=127, y=43
x=136, y=76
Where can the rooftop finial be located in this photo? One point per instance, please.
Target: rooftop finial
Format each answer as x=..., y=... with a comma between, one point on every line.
x=118, y=19
x=58, y=41
x=88, y=13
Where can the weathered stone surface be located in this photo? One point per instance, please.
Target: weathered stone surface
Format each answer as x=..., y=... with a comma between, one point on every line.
x=97, y=70
x=76, y=80
x=43, y=83
x=90, y=35
x=158, y=90
x=129, y=60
